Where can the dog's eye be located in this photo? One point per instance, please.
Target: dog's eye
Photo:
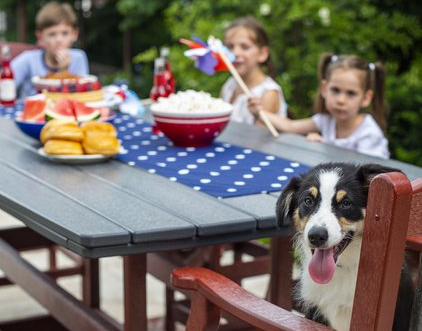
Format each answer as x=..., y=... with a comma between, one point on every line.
x=309, y=201
x=345, y=204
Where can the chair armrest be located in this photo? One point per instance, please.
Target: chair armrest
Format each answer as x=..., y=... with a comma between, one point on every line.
x=414, y=242
x=230, y=297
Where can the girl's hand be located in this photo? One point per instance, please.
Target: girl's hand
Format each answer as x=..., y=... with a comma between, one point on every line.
x=255, y=105
x=63, y=59
x=315, y=137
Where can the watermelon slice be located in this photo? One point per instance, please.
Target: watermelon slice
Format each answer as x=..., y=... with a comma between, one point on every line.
x=69, y=109
x=33, y=110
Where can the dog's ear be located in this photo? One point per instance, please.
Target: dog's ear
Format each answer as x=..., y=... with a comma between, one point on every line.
x=367, y=172
x=285, y=204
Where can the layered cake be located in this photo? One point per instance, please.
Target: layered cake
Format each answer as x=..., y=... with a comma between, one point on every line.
x=56, y=86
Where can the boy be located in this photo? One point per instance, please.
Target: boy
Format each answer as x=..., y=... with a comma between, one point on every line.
x=56, y=31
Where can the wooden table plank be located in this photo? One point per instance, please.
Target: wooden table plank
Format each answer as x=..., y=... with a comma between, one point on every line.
x=159, y=246
x=211, y=216
x=262, y=206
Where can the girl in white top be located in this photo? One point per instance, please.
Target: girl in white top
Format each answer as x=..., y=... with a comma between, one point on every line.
x=248, y=41
x=347, y=85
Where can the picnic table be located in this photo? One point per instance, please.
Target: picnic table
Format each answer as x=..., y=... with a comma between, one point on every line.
x=117, y=209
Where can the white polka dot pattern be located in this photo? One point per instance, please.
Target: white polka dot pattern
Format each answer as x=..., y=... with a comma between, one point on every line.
x=221, y=170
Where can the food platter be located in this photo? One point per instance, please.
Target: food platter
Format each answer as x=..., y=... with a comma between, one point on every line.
x=74, y=159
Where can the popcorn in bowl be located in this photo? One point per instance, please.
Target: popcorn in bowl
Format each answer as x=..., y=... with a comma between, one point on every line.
x=192, y=103
x=191, y=118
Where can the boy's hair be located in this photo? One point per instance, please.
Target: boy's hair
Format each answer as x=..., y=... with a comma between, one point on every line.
x=372, y=79
x=258, y=35
x=54, y=13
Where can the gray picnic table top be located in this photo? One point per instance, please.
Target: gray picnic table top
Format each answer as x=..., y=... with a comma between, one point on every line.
x=111, y=208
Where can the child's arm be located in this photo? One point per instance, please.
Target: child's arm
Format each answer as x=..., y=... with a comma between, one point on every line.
x=63, y=58
x=79, y=62
x=315, y=137
x=302, y=126
x=271, y=101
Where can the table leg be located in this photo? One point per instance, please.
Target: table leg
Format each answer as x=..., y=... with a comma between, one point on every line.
x=90, y=283
x=281, y=283
x=135, y=295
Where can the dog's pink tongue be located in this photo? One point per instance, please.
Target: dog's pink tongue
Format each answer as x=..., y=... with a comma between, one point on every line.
x=322, y=266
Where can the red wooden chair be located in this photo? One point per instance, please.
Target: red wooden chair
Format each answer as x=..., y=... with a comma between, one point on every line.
x=393, y=212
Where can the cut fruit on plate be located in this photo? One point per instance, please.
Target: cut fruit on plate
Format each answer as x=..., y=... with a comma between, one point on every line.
x=69, y=109
x=33, y=110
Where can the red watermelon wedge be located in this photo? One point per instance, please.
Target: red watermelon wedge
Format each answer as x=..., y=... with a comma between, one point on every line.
x=68, y=109
x=33, y=110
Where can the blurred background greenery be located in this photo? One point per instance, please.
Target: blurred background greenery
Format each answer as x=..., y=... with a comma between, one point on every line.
x=122, y=38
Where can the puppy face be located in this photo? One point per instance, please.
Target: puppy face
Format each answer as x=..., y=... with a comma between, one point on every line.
x=327, y=206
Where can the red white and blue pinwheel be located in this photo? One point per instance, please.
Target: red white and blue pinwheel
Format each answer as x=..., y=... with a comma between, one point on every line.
x=207, y=55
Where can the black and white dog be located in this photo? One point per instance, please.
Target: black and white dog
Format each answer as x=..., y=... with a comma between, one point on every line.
x=327, y=206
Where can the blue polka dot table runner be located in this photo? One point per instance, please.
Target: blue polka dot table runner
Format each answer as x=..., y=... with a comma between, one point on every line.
x=221, y=169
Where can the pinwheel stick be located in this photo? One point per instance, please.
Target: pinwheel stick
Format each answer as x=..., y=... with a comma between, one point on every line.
x=248, y=92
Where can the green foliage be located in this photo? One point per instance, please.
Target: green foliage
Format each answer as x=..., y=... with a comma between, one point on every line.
x=406, y=119
x=147, y=56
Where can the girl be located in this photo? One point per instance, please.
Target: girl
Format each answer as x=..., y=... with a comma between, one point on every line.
x=247, y=39
x=347, y=84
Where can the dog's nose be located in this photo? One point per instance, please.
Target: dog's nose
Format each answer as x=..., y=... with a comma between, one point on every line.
x=318, y=236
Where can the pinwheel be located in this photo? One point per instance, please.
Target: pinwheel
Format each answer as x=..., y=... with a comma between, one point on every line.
x=206, y=55
x=213, y=56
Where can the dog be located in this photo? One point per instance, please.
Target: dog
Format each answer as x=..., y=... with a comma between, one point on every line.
x=327, y=207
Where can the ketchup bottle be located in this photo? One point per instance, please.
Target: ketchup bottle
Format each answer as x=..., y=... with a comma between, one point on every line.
x=160, y=87
x=7, y=82
x=164, y=53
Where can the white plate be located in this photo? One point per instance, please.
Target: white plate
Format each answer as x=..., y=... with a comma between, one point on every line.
x=74, y=159
x=111, y=99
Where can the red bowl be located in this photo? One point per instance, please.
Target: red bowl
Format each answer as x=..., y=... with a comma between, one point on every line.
x=191, y=129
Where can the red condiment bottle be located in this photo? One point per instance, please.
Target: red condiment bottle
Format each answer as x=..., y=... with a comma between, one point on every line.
x=164, y=53
x=160, y=87
x=7, y=82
